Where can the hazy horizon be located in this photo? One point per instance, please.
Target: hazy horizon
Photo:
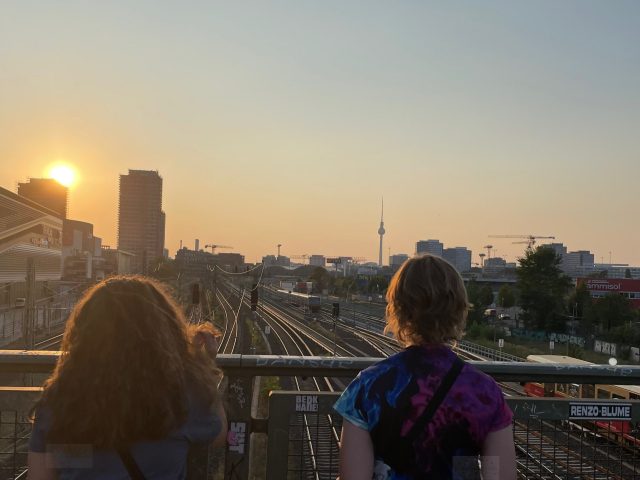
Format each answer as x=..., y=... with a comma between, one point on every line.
x=286, y=123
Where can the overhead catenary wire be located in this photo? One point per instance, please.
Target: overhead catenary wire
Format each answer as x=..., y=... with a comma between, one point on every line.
x=66, y=292
x=226, y=272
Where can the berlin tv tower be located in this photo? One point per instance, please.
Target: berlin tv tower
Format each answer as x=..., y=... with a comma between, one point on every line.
x=381, y=233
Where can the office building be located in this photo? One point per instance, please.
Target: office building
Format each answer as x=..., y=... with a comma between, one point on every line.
x=434, y=247
x=600, y=287
x=200, y=264
x=141, y=221
x=578, y=264
x=195, y=263
x=459, y=257
x=317, y=261
x=28, y=230
x=397, y=260
x=616, y=270
x=229, y=260
x=494, y=267
x=81, y=252
x=559, y=248
x=116, y=262
x=46, y=192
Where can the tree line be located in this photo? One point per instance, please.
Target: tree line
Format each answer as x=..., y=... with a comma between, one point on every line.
x=551, y=302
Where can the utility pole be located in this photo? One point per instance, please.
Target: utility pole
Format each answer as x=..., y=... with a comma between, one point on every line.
x=28, y=323
x=215, y=285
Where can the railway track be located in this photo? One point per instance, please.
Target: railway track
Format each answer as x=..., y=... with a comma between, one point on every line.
x=545, y=450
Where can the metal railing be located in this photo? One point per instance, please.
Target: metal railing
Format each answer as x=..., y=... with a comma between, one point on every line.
x=489, y=353
x=15, y=428
x=34, y=361
x=552, y=440
x=542, y=429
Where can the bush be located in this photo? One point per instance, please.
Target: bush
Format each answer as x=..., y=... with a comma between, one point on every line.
x=576, y=351
x=478, y=330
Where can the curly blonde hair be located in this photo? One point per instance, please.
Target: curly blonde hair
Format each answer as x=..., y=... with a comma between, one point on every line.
x=426, y=302
x=127, y=367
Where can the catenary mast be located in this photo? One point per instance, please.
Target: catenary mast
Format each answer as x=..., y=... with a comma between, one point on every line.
x=381, y=232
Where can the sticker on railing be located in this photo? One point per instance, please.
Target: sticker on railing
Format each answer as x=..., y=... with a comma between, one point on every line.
x=599, y=411
x=236, y=437
x=306, y=403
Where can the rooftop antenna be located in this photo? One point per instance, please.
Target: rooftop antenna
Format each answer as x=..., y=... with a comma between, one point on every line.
x=381, y=232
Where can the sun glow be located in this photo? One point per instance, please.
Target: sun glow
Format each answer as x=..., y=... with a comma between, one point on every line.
x=63, y=174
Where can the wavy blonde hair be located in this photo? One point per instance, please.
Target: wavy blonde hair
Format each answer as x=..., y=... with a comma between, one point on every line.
x=426, y=302
x=126, y=368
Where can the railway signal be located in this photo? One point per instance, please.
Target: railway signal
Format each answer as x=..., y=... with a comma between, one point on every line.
x=336, y=310
x=195, y=293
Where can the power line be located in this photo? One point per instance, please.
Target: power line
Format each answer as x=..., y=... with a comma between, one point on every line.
x=236, y=273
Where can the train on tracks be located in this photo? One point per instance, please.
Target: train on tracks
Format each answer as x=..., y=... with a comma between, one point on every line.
x=623, y=430
x=310, y=303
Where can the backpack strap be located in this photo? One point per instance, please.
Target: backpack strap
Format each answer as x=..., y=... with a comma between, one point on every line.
x=436, y=400
x=130, y=464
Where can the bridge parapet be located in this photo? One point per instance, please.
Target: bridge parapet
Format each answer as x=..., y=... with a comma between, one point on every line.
x=556, y=437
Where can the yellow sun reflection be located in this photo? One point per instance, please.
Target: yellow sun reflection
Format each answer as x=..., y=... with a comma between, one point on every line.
x=63, y=174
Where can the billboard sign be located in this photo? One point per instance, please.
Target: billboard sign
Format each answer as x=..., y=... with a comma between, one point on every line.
x=599, y=287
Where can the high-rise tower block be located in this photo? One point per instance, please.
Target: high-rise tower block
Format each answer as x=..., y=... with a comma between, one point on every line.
x=381, y=232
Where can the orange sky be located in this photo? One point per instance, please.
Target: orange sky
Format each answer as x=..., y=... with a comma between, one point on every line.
x=286, y=125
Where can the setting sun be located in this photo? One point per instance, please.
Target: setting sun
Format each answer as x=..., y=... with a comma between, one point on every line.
x=63, y=174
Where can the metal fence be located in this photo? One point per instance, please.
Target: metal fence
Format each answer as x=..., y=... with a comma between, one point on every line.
x=557, y=439
x=553, y=439
x=15, y=429
x=489, y=353
x=46, y=321
x=305, y=423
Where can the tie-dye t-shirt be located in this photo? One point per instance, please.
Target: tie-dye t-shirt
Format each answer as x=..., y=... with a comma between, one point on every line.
x=387, y=398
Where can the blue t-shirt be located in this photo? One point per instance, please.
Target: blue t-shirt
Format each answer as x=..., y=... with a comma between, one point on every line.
x=164, y=459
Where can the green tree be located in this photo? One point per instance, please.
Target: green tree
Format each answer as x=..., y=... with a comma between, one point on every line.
x=506, y=297
x=543, y=289
x=486, y=295
x=321, y=280
x=477, y=302
x=579, y=307
x=377, y=284
x=611, y=311
x=164, y=269
x=345, y=286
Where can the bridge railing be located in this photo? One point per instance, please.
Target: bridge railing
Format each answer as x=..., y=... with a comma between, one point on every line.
x=490, y=353
x=541, y=427
x=554, y=438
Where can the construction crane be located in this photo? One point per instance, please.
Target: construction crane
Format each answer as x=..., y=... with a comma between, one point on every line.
x=482, y=255
x=279, y=245
x=489, y=248
x=530, y=240
x=213, y=247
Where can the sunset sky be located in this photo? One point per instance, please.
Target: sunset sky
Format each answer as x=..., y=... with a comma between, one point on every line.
x=285, y=122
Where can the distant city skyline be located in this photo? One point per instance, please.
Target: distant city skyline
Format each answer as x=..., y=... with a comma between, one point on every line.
x=507, y=249
x=282, y=123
